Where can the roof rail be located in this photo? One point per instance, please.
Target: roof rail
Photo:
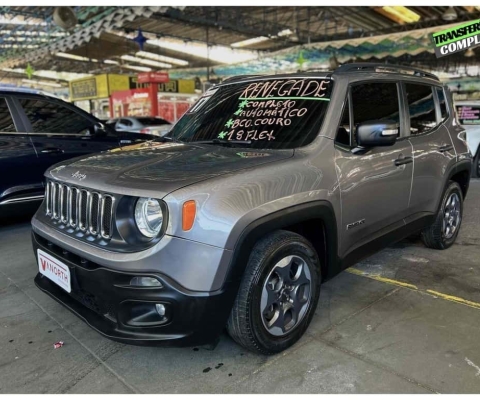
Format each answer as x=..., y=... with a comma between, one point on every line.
x=378, y=67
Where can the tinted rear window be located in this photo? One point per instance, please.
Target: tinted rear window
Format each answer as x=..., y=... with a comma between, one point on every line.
x=152, y=121
x=6, y=121
x=468, y=115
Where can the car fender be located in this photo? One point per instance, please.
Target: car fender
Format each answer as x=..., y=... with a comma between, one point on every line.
x=250, y=234
x=463, y=165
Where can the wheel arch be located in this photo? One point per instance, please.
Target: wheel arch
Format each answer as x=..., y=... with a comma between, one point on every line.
x=302, y=219
x=461, y=174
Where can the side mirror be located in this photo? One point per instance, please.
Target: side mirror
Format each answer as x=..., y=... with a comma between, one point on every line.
x=99, y=129
x=377, y=133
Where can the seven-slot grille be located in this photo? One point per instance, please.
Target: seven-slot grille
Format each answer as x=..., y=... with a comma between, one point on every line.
x=80, y=208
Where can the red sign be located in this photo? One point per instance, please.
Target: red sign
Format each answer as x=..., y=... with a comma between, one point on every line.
x=153, y=77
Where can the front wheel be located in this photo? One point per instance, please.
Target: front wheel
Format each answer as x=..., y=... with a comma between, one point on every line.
x=444, y=231
x=278, y=294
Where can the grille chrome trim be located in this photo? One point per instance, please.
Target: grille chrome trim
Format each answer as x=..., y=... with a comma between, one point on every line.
x=84, y=197
x=48, y=203
x=94, y=215
x=90, y=212
x=54, y=201
x=104, y=218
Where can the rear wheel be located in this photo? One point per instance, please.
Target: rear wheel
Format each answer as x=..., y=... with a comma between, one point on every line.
x=278, y=294
x=444, y=231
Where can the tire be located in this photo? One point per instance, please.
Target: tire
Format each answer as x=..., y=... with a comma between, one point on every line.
x=437, y=236
x=265, y=281
x=476, y=165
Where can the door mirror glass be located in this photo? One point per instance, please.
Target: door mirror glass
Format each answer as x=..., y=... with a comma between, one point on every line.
x=377, y=133
x=100, y=129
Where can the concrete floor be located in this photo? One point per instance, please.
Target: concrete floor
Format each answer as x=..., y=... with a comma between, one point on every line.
x=406, y=320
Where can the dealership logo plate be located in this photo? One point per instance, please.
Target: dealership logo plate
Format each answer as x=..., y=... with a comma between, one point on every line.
x=54, y=270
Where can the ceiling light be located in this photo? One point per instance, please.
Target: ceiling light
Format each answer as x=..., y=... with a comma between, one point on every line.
x=469, y=53
x=450, y=14
x=23, y=39
x=18, y=46
x=146, y=62
x=14, y=32
x=249, y=42
x=285, y=32
x=75, y=57
x=136, y=68
x=42, y=83
x=402, y=13
x=221, y=54
x=61, y=75
x=159, y=57
x=18, y=21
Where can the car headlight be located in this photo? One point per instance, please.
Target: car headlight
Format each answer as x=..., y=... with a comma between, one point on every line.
x=148, y=216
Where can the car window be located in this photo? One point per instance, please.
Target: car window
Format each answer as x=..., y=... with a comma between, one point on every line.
x=468, y=115
x=125, y=122
x=6, y=121
x=442, y=102
x=153, y=121
x=50, y=117
x=421, y=107
x=375, y=101
x=343, y=132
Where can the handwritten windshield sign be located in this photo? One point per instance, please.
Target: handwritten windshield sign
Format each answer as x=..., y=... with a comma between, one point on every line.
x=293, y=89
x=265, y=106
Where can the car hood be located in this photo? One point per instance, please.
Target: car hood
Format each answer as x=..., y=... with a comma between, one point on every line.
x=149, y=167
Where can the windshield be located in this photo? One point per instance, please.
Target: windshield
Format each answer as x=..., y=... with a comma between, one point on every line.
x=267, y=114
x=468, y=115
x=152, y=121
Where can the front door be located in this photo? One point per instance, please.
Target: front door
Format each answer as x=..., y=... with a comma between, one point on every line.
x=60, y=132
x=18, y=161
x=374, y=182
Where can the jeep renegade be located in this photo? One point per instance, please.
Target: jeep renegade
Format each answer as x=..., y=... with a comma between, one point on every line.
x=265, y=188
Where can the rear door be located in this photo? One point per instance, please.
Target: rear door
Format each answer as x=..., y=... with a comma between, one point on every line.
x=59, y=131
x=433, y=151
x=18, y=160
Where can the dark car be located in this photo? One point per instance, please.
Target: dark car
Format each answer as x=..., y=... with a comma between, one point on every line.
x=37, y=131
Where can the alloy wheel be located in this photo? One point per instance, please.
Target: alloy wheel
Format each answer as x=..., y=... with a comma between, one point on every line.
x=451, y=216
x=286, y=295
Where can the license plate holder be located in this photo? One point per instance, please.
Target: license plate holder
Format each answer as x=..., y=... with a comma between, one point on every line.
x=55, y=270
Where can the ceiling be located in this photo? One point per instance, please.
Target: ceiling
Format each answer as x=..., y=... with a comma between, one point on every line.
x=102, y=40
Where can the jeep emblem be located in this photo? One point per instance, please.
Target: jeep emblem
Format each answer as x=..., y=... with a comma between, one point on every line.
x=79, y=176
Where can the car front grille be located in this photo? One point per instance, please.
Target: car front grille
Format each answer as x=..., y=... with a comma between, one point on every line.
x=82, y=209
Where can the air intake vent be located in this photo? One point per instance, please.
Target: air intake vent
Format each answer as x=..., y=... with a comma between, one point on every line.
x=79, y=208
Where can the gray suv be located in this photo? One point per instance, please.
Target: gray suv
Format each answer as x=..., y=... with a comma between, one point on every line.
x=264, y=189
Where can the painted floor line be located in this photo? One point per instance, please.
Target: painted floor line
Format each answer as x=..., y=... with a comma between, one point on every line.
x=448, y=297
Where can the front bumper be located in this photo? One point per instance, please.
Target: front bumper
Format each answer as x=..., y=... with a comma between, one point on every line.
x=103, y=298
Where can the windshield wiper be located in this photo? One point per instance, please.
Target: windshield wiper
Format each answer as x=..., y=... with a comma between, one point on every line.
x=223, y=142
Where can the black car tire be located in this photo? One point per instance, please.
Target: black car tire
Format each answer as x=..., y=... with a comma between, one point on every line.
x=435, y=236
x=247, y=324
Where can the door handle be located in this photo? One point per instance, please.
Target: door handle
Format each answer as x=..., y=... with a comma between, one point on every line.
x=445, y=148
x=403, y=161
x=52, y=150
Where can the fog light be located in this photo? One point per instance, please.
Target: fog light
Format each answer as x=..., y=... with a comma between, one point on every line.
x=145, y=281
x=160, y=309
